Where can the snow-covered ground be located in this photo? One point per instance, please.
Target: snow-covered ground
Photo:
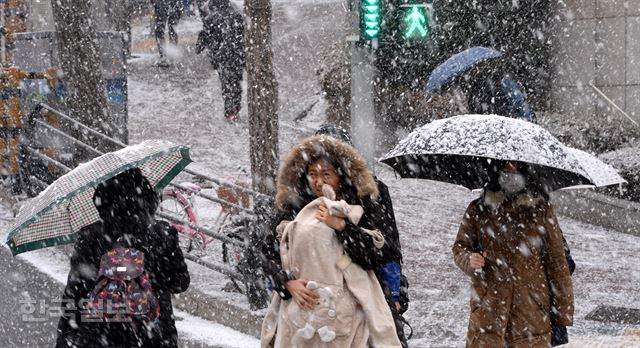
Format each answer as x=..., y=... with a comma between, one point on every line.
x=183, y=104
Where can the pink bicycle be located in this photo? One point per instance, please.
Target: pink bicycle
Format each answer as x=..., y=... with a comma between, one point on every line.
x=179, y=201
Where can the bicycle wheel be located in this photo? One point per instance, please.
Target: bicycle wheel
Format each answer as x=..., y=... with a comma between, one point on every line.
x=180, y=209
x=233, y=256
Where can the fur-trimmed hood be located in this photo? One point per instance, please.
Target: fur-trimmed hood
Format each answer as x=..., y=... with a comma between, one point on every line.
x=292, y=176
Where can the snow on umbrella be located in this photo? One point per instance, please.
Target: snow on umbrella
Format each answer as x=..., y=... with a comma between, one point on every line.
x=600, y=173
x=56, y=215
x=458, y=64
x=461, y=149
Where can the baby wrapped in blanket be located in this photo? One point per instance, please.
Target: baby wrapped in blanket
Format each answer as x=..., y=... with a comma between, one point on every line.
x=352, y=311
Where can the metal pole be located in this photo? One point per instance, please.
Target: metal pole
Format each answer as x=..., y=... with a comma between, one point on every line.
x=80, y=125
x=211, y=198
x=218, y=268
x=68, y=137
x=615, y=106
x=207, y=232
x=225, y=183
x=363, y=125
x=48, y=159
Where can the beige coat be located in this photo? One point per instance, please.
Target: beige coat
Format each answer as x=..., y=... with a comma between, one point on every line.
x=352, y=310
x=525, y=264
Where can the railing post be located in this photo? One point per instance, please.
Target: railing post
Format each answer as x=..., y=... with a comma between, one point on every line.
x=26, y=162
x=257, y=294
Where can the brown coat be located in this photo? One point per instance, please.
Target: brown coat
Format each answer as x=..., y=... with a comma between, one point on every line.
x=525, y=271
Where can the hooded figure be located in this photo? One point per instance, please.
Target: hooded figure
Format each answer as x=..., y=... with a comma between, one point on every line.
x=394, y=283
x=126, y=204
x=491, y=93
x=223, y=36
x=511, y=246
x=346, y=256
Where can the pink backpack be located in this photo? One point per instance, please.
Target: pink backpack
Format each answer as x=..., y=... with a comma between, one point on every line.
x=123, y=290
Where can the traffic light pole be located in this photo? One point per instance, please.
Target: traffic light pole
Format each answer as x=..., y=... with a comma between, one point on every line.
x=363, y=121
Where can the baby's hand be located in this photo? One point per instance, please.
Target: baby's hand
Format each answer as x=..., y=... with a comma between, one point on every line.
x=335, y=222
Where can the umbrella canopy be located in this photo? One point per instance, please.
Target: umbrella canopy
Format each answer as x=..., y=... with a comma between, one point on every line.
x=62, y=209
x=461, y=150
x=600, y=173
x=458, y=64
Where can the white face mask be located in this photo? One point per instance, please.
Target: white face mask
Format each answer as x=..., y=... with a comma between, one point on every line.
x=512, y=182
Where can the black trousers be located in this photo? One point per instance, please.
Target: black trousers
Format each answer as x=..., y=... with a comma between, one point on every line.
x=168, y=13
x=231, y=83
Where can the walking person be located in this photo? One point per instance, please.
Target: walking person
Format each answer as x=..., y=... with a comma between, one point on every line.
x=126, y=204
x=322, y=256
x=393, y=282
x=494, y=93
x=167, y=15
x=223, y=37
x=510, y=245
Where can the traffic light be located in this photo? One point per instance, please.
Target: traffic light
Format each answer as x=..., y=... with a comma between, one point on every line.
x=370, y=18
x=415, y=21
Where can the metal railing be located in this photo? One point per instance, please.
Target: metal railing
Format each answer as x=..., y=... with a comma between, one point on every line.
x=35, y=120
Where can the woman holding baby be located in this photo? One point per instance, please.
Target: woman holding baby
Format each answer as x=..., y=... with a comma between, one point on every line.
x=322, y=251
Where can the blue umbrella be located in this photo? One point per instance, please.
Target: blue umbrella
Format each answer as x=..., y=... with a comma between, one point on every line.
x=458, y=64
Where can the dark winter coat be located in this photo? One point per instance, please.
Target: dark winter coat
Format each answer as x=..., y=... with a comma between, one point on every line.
x=223, y=36
x=525, y=274
x=164, y=263
x=559, y=333
x=357, y=187
x=500, y=96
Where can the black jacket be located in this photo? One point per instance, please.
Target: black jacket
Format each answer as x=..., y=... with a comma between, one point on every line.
x=223, y=36
x=125, y=204
x=167, y=270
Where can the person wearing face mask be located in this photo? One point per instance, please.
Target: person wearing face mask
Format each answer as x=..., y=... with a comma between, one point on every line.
x=510, y=245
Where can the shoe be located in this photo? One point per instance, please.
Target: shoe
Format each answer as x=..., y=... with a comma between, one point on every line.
x=232, y=117
x=163, y=62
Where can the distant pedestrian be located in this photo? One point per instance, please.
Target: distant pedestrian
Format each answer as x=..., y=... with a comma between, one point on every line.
x=494, y=93
x=223, y=36
x=511, y=246
x=167, y=15
x=128, y=240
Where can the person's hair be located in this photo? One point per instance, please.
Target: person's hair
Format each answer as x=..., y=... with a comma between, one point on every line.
x=347, y=191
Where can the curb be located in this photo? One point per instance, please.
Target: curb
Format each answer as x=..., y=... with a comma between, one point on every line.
x=197, y=303
x=600, y=210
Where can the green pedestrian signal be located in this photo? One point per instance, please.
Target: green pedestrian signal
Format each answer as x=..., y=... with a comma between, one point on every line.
x=370, y=18
x=415, y=22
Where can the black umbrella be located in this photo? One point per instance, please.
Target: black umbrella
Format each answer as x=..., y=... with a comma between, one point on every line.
x=464, y=150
